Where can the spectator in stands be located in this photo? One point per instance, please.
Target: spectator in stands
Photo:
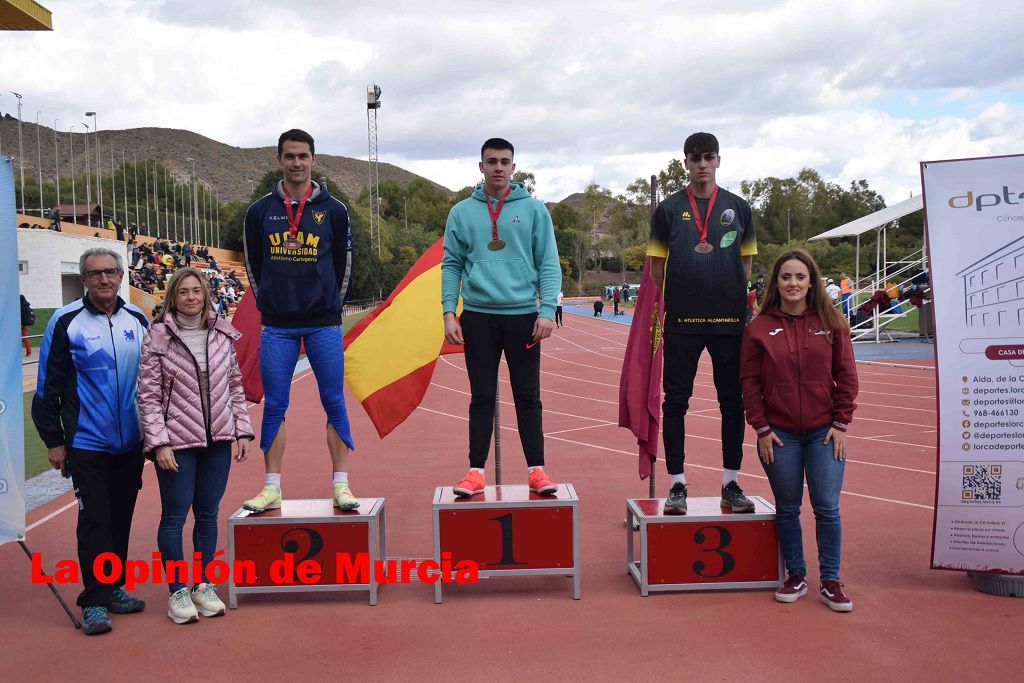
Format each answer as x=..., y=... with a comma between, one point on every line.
x=56, y=220
x=85, y=412
x=118, y=229
x=751, y=303
x=213, y=264
x=28, y=319
x=892, y=290
x=759, y=286
x=846, y=294
x=188, y=365
x=832, y=289
x=220, y=306
x=186, y=252
x=805, y=433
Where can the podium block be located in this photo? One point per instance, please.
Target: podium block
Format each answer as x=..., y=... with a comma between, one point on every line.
x=307, y=530
x=509, y=531
x=709, y=548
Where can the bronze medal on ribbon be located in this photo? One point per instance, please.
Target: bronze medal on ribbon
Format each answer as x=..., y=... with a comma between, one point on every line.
x=703, y=248
x=292, y=243
x=496, y=245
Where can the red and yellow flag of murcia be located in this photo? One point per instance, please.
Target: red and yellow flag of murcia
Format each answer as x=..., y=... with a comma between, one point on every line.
x=390, y=354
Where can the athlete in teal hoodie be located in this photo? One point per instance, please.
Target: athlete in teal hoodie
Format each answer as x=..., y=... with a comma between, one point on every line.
x=500, y=255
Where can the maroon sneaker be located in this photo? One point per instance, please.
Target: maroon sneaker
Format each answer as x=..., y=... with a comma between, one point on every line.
x=794, y=588
x=832, y=595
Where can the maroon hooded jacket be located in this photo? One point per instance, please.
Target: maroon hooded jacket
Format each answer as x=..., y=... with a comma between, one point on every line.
x=797, y=375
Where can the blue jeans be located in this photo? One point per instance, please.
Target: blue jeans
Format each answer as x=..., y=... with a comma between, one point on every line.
x=800, y=453
x=279, y=351
x=199, y=484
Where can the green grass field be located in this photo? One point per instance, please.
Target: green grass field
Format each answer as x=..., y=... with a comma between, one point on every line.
x=35, y=450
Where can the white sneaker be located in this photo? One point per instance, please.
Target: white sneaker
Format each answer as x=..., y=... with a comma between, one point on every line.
x=180, y=608
x=206, y=601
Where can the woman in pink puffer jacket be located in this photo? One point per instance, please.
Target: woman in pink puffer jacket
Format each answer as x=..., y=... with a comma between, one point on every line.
x=192, y=408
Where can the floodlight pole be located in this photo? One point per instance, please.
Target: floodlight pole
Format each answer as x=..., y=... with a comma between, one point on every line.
x=651, y=489
x=88, y=177
x=96, y=139
x=21, y=153
x=74, y=195
x=373, y=182
x=56, y=158
x=39, y=162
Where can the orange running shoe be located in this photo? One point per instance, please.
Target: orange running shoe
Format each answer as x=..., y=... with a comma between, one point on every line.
x=541, y=483
x=471, y=484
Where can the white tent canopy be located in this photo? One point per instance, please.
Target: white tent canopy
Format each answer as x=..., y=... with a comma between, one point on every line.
x=874, y=220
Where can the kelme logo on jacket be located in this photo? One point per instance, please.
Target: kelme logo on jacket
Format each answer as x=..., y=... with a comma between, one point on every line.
x=728, y=238
x=319, y=216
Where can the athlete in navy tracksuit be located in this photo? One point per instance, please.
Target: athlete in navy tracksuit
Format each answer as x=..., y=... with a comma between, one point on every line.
x=85, y=411
x=298, y=252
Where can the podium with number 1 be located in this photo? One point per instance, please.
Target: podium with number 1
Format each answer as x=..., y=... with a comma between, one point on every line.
x=509, y=531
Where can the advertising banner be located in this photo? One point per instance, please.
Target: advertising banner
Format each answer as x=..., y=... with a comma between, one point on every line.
x=974, y=214
x=12, y=437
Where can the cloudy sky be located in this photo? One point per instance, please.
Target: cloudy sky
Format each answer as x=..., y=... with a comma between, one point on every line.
x=861, y=89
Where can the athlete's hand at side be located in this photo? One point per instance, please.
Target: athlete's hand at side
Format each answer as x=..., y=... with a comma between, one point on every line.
x=543, y=328
x=452, y=330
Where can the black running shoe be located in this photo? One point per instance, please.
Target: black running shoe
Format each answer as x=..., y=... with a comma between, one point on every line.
x=732, y=497
x=675, y=504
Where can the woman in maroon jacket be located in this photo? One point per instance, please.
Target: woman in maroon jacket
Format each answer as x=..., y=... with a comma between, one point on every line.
x=799, y=385
x=192, y=409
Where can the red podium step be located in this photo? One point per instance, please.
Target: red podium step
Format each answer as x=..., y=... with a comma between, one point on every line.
x=510, y=531
x=709, y=548
x=307, y=530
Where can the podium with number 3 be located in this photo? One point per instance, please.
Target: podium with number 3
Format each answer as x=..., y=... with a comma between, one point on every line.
x=709, y=548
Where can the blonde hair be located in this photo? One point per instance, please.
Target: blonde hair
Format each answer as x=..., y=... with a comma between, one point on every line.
x=171, y=294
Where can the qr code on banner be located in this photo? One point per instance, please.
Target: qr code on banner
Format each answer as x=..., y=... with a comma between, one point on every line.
x=983, y=482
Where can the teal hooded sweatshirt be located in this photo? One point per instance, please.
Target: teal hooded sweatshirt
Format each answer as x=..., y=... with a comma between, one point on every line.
x=508, y=281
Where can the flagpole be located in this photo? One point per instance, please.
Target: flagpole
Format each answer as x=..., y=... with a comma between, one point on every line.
x=497, y=440
x=651, y=490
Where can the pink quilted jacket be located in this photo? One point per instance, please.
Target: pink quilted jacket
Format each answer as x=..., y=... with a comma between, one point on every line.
x=170, y=407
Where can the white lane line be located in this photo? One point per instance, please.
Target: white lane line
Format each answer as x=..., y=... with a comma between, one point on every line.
x=703, y=467
x=705, y=438
x=577, y=429
x=50, y=516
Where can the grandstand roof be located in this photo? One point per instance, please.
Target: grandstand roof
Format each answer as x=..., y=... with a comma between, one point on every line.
x=24, y=15
x=874, y=220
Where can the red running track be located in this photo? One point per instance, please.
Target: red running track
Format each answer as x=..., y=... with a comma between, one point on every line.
x=909, y=622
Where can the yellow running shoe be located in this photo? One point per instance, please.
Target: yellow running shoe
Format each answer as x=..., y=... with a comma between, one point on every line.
x=343, y=497
x=269, y=499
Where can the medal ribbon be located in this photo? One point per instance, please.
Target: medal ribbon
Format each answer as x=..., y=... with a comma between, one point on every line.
x=495, y=213
x=293, y=220
x=701, y=223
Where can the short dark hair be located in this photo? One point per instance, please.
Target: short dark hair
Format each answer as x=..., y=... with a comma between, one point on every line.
x=497, y=143
x=296, y=135
x=700, y=143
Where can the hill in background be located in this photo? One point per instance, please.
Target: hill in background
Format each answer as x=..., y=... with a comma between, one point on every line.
x=224, y=167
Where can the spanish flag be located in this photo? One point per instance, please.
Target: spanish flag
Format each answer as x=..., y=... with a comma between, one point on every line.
x=390, y=354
